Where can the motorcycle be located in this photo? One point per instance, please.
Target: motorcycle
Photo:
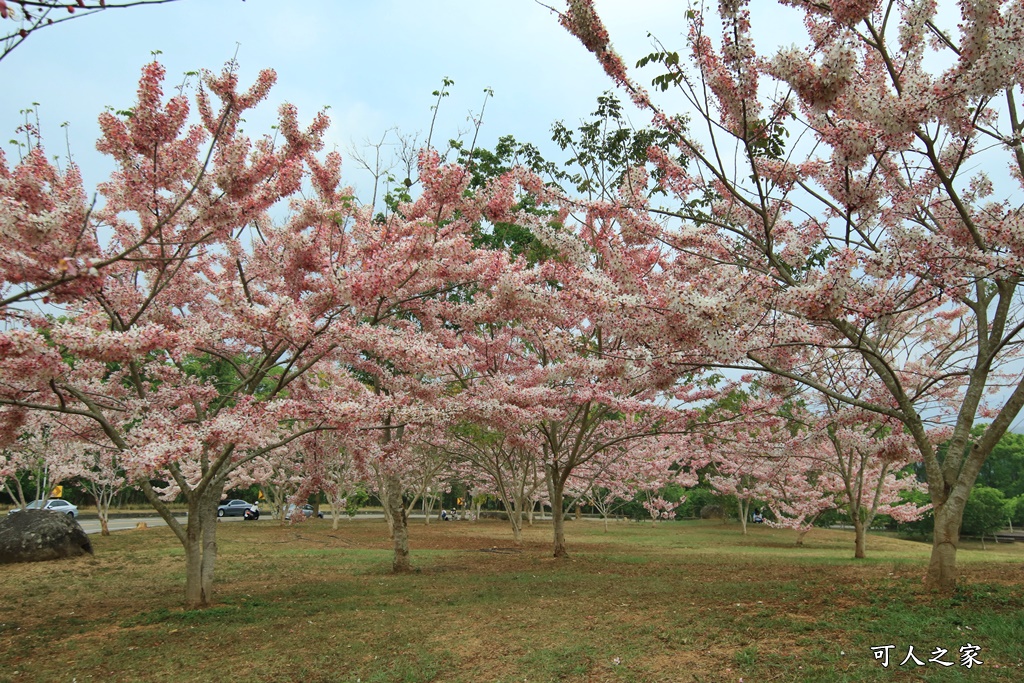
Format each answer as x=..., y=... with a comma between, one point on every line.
x=251, y=514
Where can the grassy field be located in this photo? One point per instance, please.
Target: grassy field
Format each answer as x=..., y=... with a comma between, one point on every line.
x=685, y=601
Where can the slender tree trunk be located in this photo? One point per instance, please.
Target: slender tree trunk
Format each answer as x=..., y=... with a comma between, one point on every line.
x=103, y=512
x=200, y=551
x=744, y=505
x=102, y=495
x=389, y=514
x=209, y=513
x=334, y=512
x=516, y=519
x=859, y=538
x=194, y=597
x=941, y=574
x=515, y=508
x=428, y=508
x=400, y=524
x=558, y=518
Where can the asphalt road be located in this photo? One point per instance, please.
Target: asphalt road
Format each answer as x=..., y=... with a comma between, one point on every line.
x=92, y=526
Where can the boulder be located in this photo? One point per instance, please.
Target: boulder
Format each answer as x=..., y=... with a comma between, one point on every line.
x=39, y=535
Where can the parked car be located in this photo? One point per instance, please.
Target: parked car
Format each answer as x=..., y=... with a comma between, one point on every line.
x=53, y=505
x=233, y=508
x=307, y=510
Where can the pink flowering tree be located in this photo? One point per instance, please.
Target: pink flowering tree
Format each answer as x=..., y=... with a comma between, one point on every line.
x=280, y=474
x=504, y=463
x=797, y=495
x=330, y=467
x=754, y=444
x=644, y=472
x=579, y=397
x=834, y=194
x=865, y=463
x=192, y=356
x=101, y=476
x=43, y=453
x=407, y=283
x=91, y=460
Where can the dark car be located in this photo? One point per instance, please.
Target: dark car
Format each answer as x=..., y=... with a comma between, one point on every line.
x=233, y=508
x=53, y=505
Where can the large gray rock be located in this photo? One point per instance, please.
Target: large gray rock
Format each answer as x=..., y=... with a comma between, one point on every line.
x=39, y=535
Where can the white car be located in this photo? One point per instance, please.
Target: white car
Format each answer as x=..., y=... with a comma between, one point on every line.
x=53, y=505
x=306, y=510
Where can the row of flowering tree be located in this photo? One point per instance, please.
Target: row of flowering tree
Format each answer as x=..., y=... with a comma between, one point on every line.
x=204, y=343
x=828, y=208
x=204, y=338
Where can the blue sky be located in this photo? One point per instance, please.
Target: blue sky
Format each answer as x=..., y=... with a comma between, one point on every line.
x=374, y=64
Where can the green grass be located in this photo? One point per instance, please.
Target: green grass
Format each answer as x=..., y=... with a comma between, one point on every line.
x=688, y=601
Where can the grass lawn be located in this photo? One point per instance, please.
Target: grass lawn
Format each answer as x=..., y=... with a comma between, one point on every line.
x=682, y=601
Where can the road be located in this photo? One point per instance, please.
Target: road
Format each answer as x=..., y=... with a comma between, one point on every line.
x=92, y=526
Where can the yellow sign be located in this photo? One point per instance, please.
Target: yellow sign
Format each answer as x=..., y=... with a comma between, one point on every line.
x=261, y=495
x=57, y=492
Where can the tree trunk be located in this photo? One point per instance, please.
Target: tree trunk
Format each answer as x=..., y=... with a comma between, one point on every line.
x=516, y=518
x=428, y=508
x=103, y=494
x=744, y=505
x=194, y=597
x=209, y=513
x=400, y=524
x=200, y=552
x=859, y=538
x=558, y=519
x=389, y=513
x=941, y=574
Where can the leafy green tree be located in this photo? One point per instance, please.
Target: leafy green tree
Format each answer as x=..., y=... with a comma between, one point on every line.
x=1004, y=469
x=1015, y=511
x=986, y=512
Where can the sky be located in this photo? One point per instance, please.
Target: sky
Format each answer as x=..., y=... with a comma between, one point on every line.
x=374, y=63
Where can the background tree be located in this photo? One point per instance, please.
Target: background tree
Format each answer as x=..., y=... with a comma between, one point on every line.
x=986, y=512
x=24, y=18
